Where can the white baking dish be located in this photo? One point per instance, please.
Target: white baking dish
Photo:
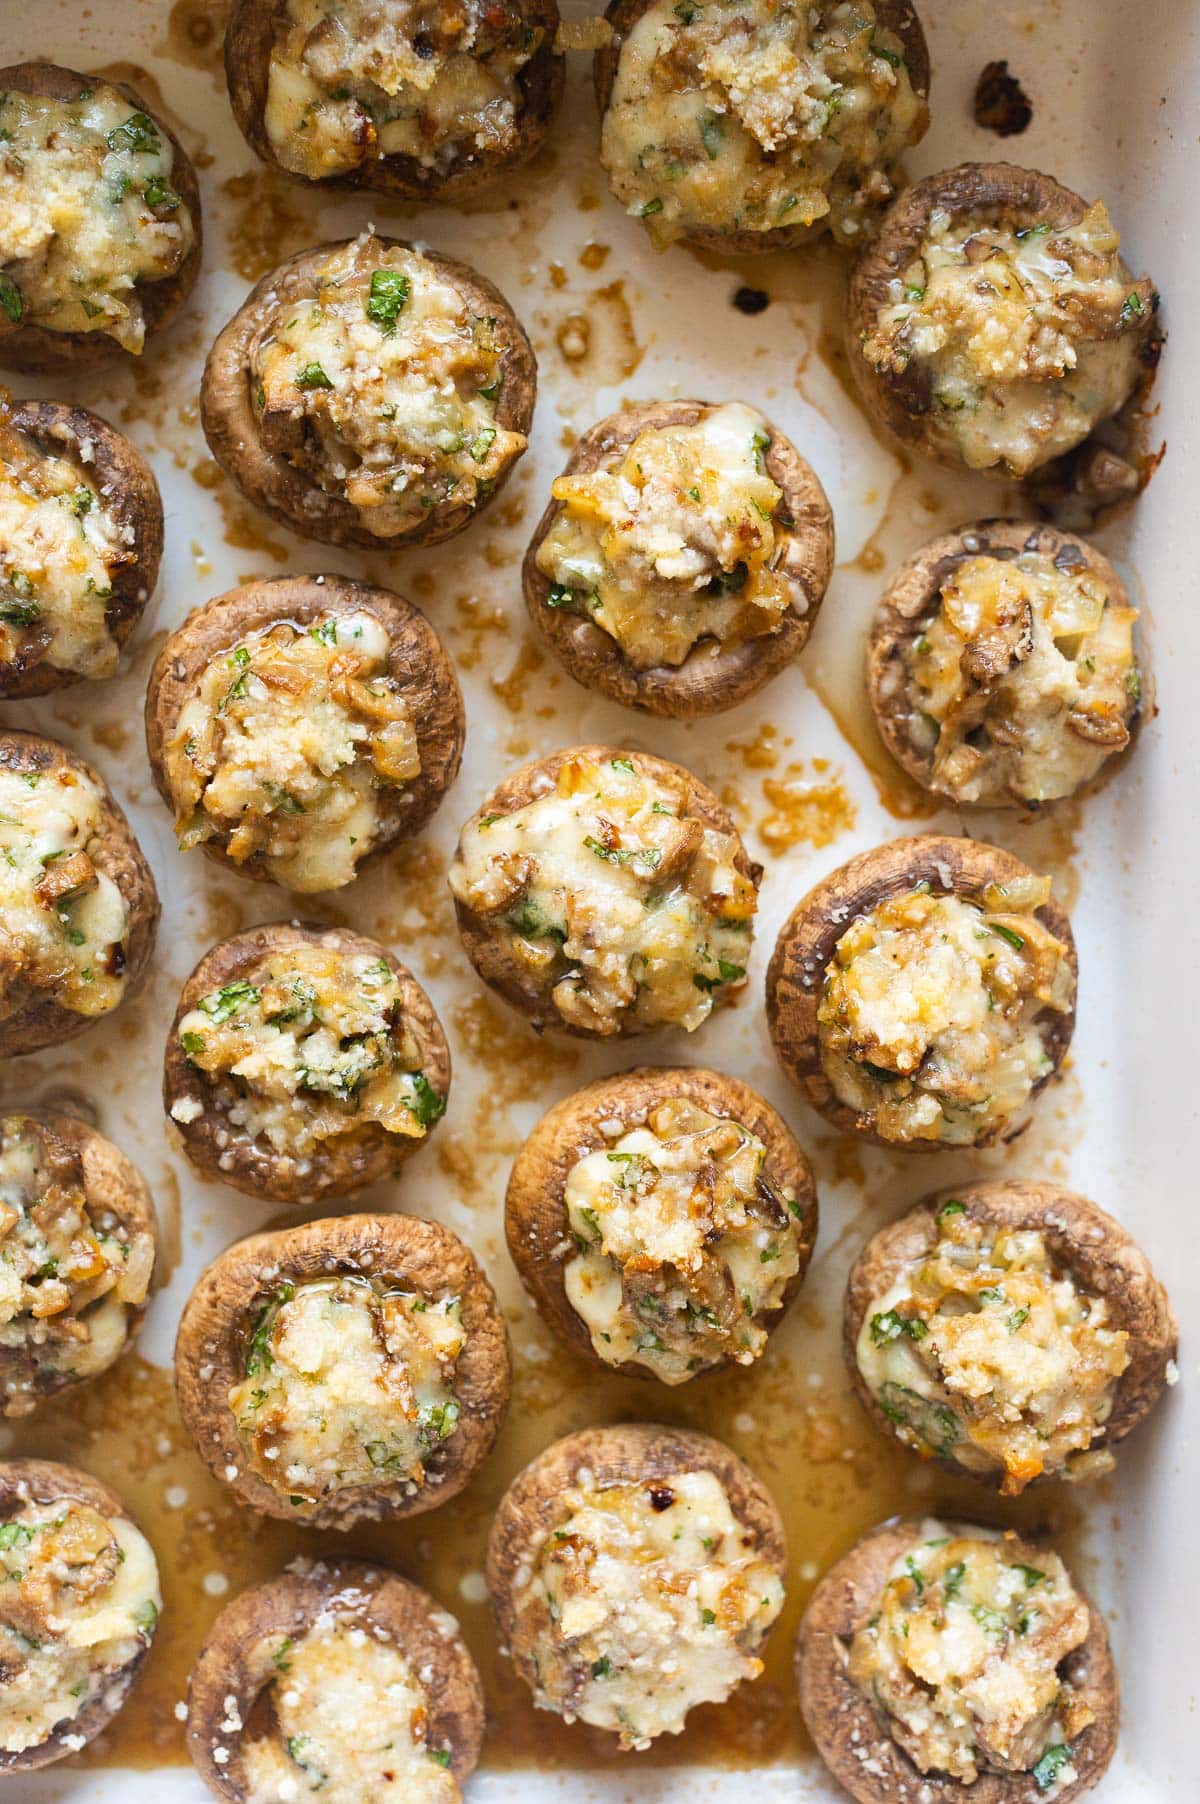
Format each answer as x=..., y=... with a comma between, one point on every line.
x=1115, y=97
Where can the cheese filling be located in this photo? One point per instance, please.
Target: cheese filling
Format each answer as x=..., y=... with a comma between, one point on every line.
x=644, y=1601
x=988, y=1352
x=962, y=1657
x=351, y=81
x=312, y=1048
x=1024, y=338
x=382, y=389
x=284, y=747
x=79, y=1599
x=769, y=114
x=347, y=1384
x=1022, y=681
x=71, y=1272
x=349, y=1723
x=87, y=212
x=605, y=889
x=673, y=540
x=63, y=921
x=60, y=547
x=682, y=1244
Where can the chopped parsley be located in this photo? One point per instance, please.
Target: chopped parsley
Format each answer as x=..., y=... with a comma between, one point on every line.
x=390, y=290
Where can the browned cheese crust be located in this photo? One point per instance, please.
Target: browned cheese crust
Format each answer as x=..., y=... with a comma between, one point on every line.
x=914, y=591
x=535, y=1218
x=44, y=1481
x=711, y=678
x=220, y=1315
x=266, y=477
x=36, y=349
x=895, y=15
x=809, y=936
x=116, y=854
x=417, y=660
x=853, y=1740
x=254, y=1168
x=485, y=946
x=130, y=494
x=249, y=37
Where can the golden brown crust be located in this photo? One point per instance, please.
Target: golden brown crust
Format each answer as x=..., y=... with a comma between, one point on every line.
x=850, y=1734
x=221, y=1313
x=249, y=37
x=117, y=855
x=912, y=595
x=486, y=946
x=44, y=1481
x=626, y=1453
x=113, y=1186
x=417, y=660
x=219, y=1151
x=267, y=478
x=809, y=936
x=535, y=1218
x=1104, y=1260
x=36, y=349
x=128, y=492
x=894, y=15
x=998, y=190
x=229, y=1663
x=712, y=677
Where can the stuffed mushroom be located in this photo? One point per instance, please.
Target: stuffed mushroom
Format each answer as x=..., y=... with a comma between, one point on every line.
x=79, y=1603
x=340, y=1678
x=946, y=1661
x=78, y=906
x=993, y=323
x=1001, y=665
x=683, y=558
x=78, y=1239
x=81, y=536
x=303, y=1062
x=425, y=102
x=635, y=1572
x=924, y=994
x=761, y=126
x=1011, y=1330
x=347, y=1370
x=368, y=393
x=300, y=727
x=606, y=893
x=662, y=1221
x=99, y=220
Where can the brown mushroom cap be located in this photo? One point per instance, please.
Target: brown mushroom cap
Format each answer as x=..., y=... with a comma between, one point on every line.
x=417, y=660
x=229, y=1662
x=251, y=35
x=535, y=1217
x=220, y=1315
x=129, y=493
x=113, y=1187
x=118, y=856
x=893, y=15
x=914, y=595
x=36, y=349
x=252, y=1166
x=1103, y=1259
x=853, y=1740
x=267, y=478
x=713, y=676
x=626, y=1453
x=809, y=937
x=998, y=190
x=46, y=1481
x=485, y=945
